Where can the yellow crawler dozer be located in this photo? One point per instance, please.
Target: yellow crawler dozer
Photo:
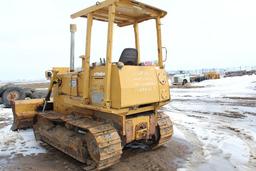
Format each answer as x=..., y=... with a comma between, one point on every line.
x=92, y=114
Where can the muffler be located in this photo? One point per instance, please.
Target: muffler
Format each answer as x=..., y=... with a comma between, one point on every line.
x=72, y=47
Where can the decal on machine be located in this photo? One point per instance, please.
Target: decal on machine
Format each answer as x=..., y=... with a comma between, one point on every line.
x=99, y=74
x=73, y=83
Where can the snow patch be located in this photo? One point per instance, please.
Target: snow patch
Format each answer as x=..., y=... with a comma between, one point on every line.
x=216, y=143
x=177, y=133
x=243, y=86
x=225, y=126
x=20, y=142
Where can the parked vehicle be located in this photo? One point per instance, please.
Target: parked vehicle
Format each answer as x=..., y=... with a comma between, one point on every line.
x=212, y=75
x=11, y=92
x=181, y=79
x=239, y=73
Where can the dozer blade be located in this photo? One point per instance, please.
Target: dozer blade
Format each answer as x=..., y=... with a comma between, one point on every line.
x=24, y=112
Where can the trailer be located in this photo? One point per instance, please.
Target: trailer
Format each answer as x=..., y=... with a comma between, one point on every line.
x=10, y=92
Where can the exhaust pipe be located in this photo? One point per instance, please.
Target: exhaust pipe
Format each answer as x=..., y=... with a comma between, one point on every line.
x=72, y=47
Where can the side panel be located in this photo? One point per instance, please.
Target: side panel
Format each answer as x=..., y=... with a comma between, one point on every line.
x=134, y=85
x=97, y=86
x=131, y=86
x=71, y=84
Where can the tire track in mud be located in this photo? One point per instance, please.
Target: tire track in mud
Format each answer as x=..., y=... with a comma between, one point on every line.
x=206, y=154
x=188, y=127
x=248, y=140
x=215, y=122
x=197, y=157
x=218, y=101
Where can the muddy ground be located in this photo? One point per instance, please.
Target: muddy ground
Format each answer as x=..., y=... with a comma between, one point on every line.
x=169, y=157
x=214, y=129
x=161, y=159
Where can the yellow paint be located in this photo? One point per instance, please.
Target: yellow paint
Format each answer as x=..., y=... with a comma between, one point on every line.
x=61, y=70
x=86, y=64
x=159, y=43
x=111, y=91
x=127, y=12
x=111, y=17
x=137, y=135
x=137, y=40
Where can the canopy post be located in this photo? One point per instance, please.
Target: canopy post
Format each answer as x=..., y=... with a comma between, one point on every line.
x=159, y=43
x=86, y=61
x=107, y=81
x=137, y=42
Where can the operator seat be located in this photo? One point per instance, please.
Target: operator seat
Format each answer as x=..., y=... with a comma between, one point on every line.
x=129, y=56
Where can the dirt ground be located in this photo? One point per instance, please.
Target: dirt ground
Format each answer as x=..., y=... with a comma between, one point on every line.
x=169, y=157
x=214, y=129
x=164, y=158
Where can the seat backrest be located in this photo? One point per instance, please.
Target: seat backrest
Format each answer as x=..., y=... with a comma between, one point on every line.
x=129, y=56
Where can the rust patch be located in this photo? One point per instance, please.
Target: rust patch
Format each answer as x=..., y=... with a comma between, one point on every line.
x=129, y=131
x=141, y=130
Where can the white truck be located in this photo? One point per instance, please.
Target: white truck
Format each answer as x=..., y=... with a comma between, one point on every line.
x=180, y=79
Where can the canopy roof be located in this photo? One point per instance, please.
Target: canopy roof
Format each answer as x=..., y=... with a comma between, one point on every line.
x=127, y=12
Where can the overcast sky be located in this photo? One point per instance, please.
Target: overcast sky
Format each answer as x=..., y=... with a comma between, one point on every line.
x=34, y=35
